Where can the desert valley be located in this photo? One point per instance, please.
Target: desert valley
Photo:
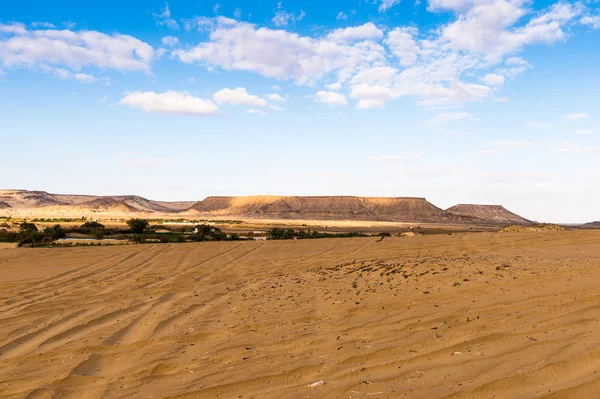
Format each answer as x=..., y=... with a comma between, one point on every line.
x=469, y=302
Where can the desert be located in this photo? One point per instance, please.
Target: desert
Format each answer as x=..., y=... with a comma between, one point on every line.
x=467, y=315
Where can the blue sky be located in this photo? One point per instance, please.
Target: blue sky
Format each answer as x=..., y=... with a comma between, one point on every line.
x=459, y=101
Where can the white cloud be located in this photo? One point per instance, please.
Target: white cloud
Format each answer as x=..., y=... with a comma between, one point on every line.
x=237, y=13
x=255, y=112
x=331, y=98
x=576, y=117
x=403, y=45
x=69, y=24
x=164, y=18
x=283, y=18
x=104, y=99
x=170, y=41
x=275, y=97
x=438, y=67
x=387, y=4
x=493, y=79
x=539, y=125
x=276, y=108
x=279, y=54
x=170, y=102
x=370, y=103
x=15, y=28
x=85, y=78
x=276, y=87
x=367, y=31
x=582, y=131
x=570, y=148
x=487, y=27
x=62, y=73
x=42, y=25
x=592, y=21
x=216, y=8
x=446, y=117
x=74, y=50
x=335, y=86
x=238, y=96
x=341, y=16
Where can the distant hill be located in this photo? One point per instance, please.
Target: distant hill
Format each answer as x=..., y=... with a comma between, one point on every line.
x=399, y=209
x=492, y=213
x=403, y=209
x=591, y=225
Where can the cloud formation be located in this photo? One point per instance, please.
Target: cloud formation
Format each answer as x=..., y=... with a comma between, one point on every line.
x=238, y=96
x=170, y=102
x=20, y=47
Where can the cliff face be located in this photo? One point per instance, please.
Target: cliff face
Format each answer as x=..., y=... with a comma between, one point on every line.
x=400, y=209
x=491, y=213
x=328, y=208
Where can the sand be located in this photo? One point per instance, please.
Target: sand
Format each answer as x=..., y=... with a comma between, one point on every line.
x=487, y=315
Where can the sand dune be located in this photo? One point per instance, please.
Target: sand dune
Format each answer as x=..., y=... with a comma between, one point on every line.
x=490, y=315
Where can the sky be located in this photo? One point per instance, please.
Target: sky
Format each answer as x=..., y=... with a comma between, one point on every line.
x=458, y=101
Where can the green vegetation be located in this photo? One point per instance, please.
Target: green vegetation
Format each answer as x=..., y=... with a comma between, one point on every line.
x=290, y=234
x=204, y=232
x=138, y=226
x=58, y=220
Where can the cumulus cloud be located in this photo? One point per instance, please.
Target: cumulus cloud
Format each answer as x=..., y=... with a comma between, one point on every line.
x=238, y=96
x=464, y=60
x=488, y=27
x=402, y=44
x=387, y=4
x=367, y=31
x=283, y=18
x=85, y=78
x=592, y=21
x=576, y=116
x=331, y=98
x=493, y=79
x=20, y=47
x=255, y=112
x=170, y=102
x=47, y=25
x=275, y=97
x=170, y=41
x=446, y=117
x=164, y=18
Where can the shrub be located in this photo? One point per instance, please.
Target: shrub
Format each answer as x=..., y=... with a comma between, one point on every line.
x=88, y=227
x=54, y=233
x=137, y=226
x=23, y=227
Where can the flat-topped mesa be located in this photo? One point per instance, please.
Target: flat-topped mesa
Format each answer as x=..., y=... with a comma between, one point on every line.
x=400, y=209
x=490, y=213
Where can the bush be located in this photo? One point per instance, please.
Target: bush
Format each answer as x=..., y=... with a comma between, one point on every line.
x=281, y=234
x=25, y=227
x=137, y=226
x=30, y=237
x=88, y=227
x=138, y=239
x=54, y=233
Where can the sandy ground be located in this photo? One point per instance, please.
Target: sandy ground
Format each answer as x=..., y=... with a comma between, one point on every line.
x=487, y=315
